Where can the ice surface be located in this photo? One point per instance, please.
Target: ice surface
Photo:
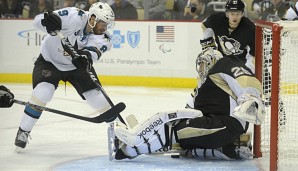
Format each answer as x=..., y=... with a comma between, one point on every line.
x=158, y=163
x=62, y=143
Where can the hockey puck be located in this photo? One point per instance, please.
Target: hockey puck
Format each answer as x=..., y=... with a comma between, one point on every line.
x=175, y=156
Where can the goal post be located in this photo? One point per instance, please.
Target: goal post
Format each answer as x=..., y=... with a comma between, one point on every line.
x=277, y=68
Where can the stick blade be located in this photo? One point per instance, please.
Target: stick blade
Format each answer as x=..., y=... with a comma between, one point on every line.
x=111, y=114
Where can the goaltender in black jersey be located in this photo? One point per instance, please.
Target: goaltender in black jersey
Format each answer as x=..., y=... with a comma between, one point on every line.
x=218, y=113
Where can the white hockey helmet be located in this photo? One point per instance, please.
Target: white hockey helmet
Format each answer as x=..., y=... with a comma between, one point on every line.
x=102, y=12
x=205, y=60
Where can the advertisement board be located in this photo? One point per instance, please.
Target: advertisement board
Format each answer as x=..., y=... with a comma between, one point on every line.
x=140, y=49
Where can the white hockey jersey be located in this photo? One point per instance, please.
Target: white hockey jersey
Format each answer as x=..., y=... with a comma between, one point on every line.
x=74, y=23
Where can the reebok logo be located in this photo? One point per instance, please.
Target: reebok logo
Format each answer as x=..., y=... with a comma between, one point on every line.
x=150, y=127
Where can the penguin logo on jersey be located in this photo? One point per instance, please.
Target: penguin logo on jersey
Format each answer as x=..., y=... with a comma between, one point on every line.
x=230, y=46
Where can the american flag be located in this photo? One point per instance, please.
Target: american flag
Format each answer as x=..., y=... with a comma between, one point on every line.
x=165, y=33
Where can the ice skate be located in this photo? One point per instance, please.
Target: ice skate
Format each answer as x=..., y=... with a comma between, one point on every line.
x=244, y=152
x=21, y=140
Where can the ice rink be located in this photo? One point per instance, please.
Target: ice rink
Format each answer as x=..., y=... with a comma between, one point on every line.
x=61, y=143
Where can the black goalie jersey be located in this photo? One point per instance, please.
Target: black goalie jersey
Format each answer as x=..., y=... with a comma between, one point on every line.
x=238, y=42
x=228, y=79
x=217, y=98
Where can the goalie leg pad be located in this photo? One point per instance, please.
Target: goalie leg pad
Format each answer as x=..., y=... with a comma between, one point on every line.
x=154, y=143
x=209, y=154
x=228, y=152
x=151, y=133
x=135, y=136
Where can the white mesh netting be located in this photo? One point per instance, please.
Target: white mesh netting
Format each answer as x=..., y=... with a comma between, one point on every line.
x=287, y=142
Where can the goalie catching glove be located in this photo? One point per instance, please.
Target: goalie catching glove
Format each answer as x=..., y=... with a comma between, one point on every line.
x=250, y=109
x=52, y=22
x=5, y=97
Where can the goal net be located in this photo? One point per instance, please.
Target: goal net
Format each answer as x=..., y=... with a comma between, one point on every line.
x=277, y=68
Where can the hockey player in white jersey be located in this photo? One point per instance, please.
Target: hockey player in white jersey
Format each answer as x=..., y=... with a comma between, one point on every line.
x=87, y=32
x=222, y=108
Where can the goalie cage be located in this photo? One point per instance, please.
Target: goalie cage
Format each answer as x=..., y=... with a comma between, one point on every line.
x=277, y=69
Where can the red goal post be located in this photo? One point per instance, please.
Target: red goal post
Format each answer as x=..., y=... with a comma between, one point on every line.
x=277, y=69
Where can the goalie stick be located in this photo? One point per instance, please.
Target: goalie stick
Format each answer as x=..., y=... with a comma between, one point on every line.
x=108, y=116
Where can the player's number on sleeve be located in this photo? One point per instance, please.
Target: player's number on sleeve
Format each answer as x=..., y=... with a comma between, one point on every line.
x=63, y=13
x=238, y=71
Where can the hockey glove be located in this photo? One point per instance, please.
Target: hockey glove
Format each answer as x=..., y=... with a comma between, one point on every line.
x=250, y=109
x=84, y=61
x=206, y=43
x=52, y=22
x=5, y=97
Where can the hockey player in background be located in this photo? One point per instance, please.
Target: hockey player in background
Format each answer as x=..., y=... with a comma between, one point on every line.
x=292, y=13
x=233, y=33
x=87, y=32
x=220, y=110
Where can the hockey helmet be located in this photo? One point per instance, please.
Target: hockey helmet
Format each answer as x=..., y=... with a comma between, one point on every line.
x=102, y=12
x=205, y=60
x=235, y=5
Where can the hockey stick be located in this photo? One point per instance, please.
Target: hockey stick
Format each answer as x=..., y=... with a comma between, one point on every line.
x=108, y=116
x=111, y=136
x=74, y=54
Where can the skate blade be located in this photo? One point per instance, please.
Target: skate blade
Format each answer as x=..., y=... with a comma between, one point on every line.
x=18, y=149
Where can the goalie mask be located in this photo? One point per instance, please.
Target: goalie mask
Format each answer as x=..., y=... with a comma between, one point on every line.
x=205, y=61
